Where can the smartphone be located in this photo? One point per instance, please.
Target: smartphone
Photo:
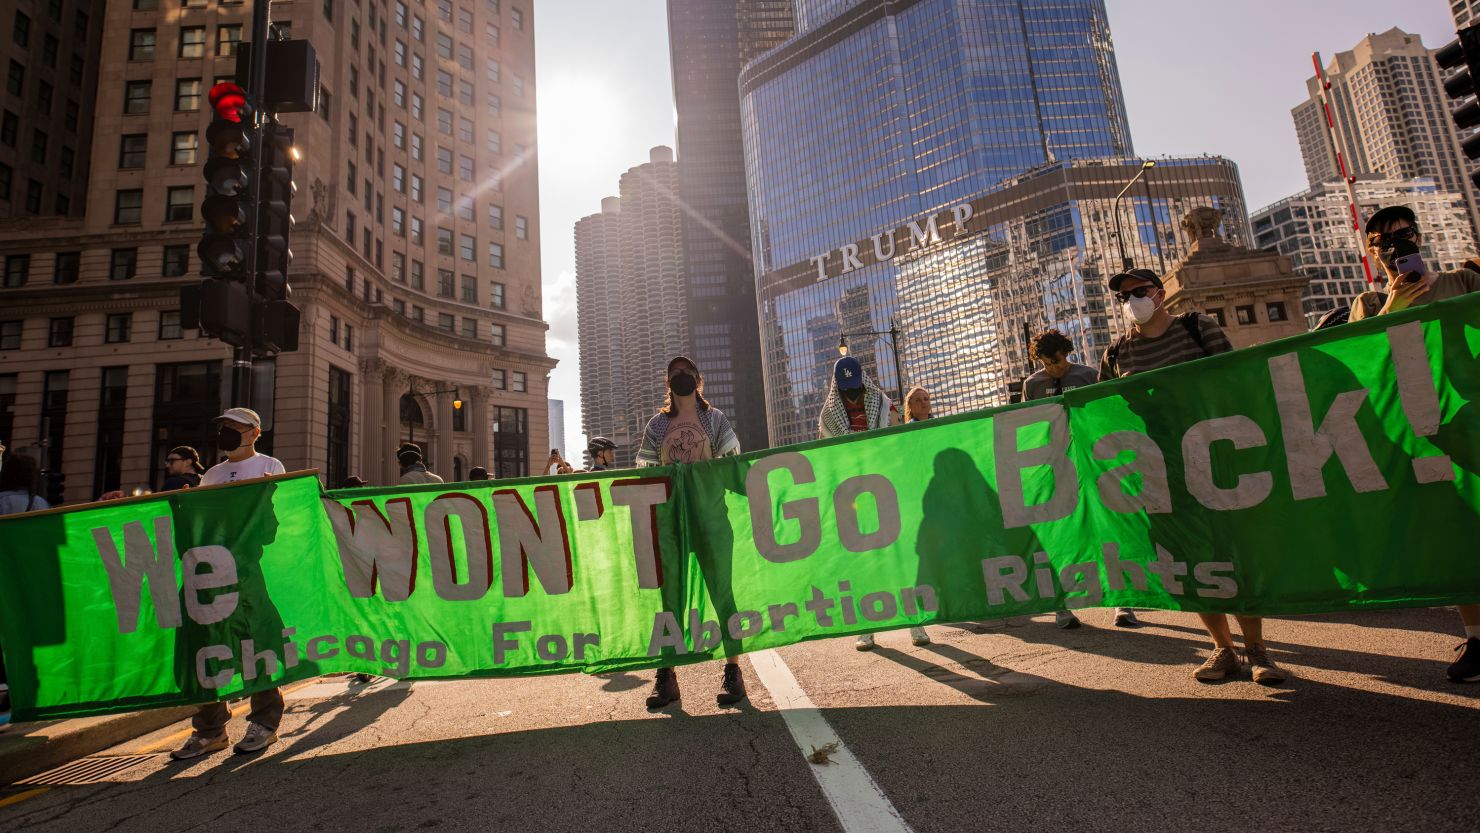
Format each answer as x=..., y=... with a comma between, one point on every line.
x=554, y=452
x=1411, y=267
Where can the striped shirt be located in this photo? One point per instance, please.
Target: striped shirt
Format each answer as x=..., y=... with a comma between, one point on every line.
x=1138, y=353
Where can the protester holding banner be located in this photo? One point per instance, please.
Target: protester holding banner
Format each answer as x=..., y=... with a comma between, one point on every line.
x=1390, y=232
x=855, y=404
x=1051, y=349
x=182, y=468
x=239, y=430
x=20, y=486
x=687, y=430
x=603, y=453
x=1158, y=340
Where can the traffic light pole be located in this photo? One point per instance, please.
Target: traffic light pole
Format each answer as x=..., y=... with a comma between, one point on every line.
x=241, y=363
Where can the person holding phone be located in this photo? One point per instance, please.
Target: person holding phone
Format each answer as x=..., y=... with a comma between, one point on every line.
x=1395, y=241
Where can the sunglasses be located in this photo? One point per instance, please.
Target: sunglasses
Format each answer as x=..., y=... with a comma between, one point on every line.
x=1382, y=241
x=1138, y=292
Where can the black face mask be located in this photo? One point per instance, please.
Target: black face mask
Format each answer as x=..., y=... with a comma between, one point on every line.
x=683, y=384
x=229, y=439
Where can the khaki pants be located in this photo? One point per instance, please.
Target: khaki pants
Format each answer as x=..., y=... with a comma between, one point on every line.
x=267, y=710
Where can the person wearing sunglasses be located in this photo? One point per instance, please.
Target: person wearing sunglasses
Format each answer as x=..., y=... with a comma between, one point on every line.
x=1389, y=232
x=182, y=468
x=1158, y=339
x=1395, y=242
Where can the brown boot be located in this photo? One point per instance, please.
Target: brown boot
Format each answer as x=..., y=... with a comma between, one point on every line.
x=1265, y=671
x=665, y=689
x=1223, y=663
x=732, y=687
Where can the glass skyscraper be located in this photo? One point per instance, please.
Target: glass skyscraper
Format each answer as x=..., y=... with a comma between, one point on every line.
x=949, y=166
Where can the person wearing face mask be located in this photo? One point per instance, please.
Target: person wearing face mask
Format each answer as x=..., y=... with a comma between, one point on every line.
x=1051, y=349
x=1159, y=340
x=853, y=404
x=687, y=430
x=239, y=430
x=1390, y=232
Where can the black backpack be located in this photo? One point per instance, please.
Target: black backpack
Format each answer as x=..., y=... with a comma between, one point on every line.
x=1188, y=320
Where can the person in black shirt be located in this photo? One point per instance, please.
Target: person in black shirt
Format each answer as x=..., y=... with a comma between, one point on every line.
x=182, y=468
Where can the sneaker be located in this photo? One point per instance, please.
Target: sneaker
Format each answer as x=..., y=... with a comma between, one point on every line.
x=1126, y=618
x=1221, y=664
x=865, y=642
x=258, y=738
x=919, y=637
x=1066, y=620
x=665, y=689
x=731, y=687
x=1265, y=671
x=1466, y=669
x=198, y=745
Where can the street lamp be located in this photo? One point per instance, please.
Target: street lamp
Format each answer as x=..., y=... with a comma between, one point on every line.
x=893, y=333
x=1125, y=262
x=457, y=404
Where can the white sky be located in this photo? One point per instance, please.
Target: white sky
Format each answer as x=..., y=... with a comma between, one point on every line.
x=1199, y=77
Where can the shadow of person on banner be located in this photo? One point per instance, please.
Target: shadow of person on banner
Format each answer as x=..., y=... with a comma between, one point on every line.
x=32, y=604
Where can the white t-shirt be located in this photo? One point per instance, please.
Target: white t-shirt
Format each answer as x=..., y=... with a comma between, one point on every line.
x=258, y=465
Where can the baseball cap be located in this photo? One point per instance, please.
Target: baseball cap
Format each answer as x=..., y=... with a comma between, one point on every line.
x=1139, y=274
x=848, y=373
x=241, y=416
x=1384, y=216
x=409, y=448
x=676, y=360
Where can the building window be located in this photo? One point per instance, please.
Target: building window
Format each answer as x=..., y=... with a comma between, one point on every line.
x=444, y=160
x=444, y=283
x=444, y=121
x=496, y=334
x=7, y=177
x=520, y=382
x=470, y=328
x=416, y=146
x=1217, y=315
x=349, y=226
x=228, y=39
x=128, y=207
x=1244, y=314
x=337, y=468
x=9, y=126
x=193, y=42
x=183, y=148
x=444, y=47
x=334, y=330
x=33, y=196
x=15, y=82
x=444, y=322
x=444, y=200
x=10, y=335
x=176, y=261
x=398, y=221
x=495, y=255
x=187, y=95
x=418, y=277
x=444, y=241
x=68, y=268
x=398, y=267
x=465, y=93
x=521, y=227
x=495, y=142
x=500, y=379
x=141, y=45
x=511, y=442
x=39, y=141
x=186, y=397
x=179, y=204
x=465, y=131
x=416, y=105
x=495, y=217
x=496, y=295
x=416, y=230
x=122, y=264
x=467, y=247
x=465, y=168
x=416, y=184
x=469, y=289
x=118, y=327
x=169, y=325
x=418, y=314
x=17, y=270
x=136, y=97
x=21, y=32
x=1275, y=311
x=516, y=17
x=60, y=332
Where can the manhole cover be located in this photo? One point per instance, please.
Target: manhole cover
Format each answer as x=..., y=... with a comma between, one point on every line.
x=85, y=771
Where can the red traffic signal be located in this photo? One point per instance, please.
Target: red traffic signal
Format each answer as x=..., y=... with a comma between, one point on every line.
x=229, y=101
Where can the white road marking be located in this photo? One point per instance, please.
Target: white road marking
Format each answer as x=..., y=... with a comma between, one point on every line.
x=857, y=801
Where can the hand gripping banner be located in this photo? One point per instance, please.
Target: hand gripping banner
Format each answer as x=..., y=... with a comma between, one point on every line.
x=1332, y=471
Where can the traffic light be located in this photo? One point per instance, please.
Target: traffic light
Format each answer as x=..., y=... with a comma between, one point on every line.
x=1463, y=54
x=276, y=319
x=225, y=248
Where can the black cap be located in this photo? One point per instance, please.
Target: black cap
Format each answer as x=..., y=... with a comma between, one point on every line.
x=1386, y=216
x=1140, y=274
x=408, y=448
x=676, y=359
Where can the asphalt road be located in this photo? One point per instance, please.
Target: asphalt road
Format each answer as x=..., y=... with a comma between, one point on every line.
x=1015, y=727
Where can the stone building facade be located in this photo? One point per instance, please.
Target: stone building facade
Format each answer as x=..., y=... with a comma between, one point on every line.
x=416, y=258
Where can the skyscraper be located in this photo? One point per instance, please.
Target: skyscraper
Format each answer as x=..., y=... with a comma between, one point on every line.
x=1466, y=12
x=416, y=250
x=629, y=303
x=879, y=114
x=1392, y=118
x=710, y=41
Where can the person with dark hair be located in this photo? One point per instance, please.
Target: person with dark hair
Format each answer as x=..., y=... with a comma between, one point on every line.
x=354, y=481
x=688, y=430
x=182, y=468
x=477, y=473
x=1391, y=233
x=20, y=486
x=412, y=469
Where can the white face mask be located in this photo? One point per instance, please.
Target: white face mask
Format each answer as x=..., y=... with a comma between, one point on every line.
x=1141, y=310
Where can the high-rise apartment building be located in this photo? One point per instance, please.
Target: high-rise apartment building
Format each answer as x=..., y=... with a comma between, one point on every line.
x=1466, y=12
x=50, y=53
x=629, y=303
x=1392, y=118
x=710, y=41
x=1313, y=228
x=416, y=256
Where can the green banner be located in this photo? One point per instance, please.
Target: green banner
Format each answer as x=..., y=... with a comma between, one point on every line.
x=1332, y=471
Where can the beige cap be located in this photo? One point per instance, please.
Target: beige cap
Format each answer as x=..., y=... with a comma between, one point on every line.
x=243, y=416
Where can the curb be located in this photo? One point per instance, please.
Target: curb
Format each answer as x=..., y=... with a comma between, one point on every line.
x=28, y=749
